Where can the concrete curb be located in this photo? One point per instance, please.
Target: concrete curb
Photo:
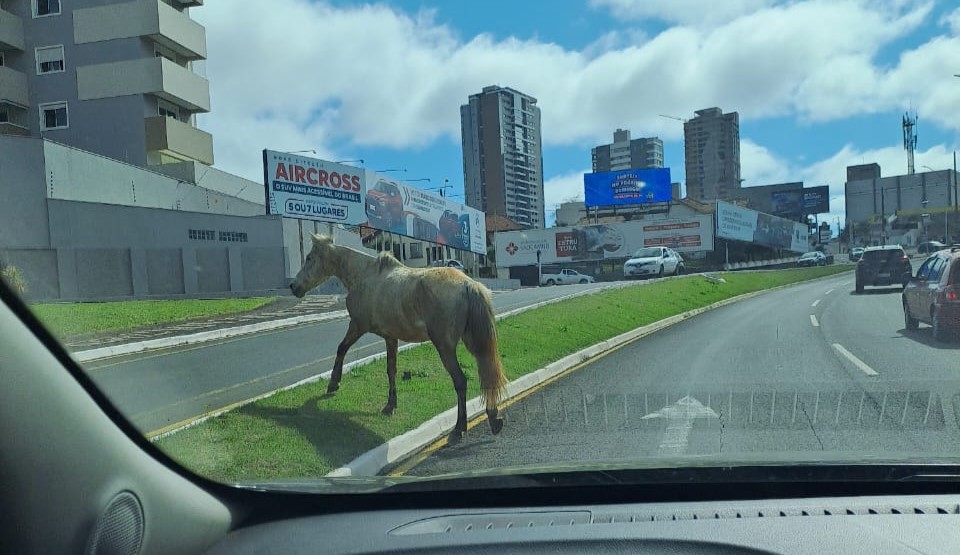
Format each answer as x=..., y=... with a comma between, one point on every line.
x=351, y=365
x=203, y=336
x=372, y=462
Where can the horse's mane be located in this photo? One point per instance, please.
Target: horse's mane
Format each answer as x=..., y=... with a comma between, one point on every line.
x=385, y=261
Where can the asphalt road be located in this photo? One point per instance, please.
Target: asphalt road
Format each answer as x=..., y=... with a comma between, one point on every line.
x=169, y=386
x=811, y=372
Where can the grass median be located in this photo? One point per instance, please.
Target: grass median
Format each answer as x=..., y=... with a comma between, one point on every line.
x=73, y=319
x=302, y=432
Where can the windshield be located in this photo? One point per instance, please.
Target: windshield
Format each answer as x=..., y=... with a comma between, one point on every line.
x=647, y=253
x=242, y=226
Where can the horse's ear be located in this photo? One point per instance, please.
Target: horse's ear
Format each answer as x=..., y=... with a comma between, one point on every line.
x=318, y=238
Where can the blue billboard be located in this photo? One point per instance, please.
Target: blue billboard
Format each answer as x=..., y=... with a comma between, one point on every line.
x=627, y=187
x=800, y=202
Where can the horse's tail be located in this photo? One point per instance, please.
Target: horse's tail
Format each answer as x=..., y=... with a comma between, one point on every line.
x=480, y=337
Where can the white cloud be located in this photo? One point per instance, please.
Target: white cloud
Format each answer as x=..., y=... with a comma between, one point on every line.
x=681, y=11
x=563, y=188
x=310, y=75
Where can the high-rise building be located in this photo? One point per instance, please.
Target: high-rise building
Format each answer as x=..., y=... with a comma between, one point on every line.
x=626, y=154
x=111, y=77
x=712, y=154
x=502, y=157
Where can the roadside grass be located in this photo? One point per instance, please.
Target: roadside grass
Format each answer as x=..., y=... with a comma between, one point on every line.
x=303, y=432
x=72, y=319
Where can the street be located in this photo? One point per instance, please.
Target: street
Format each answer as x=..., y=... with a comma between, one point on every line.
x=810, y=372
x=169, y=386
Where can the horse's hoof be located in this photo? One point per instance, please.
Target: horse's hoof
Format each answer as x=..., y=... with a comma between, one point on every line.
x=496, y=426
x=387, y=410
x=332, y=388
x=454, y=437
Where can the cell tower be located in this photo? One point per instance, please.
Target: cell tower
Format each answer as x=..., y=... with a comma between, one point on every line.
x=909, y=139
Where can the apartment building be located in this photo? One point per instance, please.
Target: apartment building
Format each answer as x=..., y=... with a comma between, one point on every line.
x=115, y=78
x=502, y=155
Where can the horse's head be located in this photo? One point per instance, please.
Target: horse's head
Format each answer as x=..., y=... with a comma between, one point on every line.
x=316, y=268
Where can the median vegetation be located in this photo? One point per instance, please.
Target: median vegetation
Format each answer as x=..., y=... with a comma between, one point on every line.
x=303, y=432
x=73, y=319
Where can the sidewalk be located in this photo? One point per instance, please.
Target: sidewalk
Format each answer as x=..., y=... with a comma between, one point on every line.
x=282, y=307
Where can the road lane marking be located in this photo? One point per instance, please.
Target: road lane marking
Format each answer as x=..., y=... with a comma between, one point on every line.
x=815, y=303
x=828, y=291
x=856, y=361
x=813, y=320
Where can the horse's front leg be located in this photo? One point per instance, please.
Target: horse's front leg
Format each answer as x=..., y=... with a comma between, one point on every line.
x=353, y=334
x=391, y=376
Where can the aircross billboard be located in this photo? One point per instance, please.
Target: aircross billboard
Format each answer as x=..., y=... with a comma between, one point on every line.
x=307, y=188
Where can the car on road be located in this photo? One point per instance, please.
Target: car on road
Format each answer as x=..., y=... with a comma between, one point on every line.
x=855, y=254
x=930, y=247
x=456, y=264
x=885, y=265
x=653, y=262
x=565, y=276
x=932, y=296
x=812, y=258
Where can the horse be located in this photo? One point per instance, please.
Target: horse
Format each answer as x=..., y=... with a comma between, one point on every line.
x=397, y=303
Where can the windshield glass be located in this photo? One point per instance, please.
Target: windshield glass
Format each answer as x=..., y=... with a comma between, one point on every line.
x=287, y=241
x=647, y=253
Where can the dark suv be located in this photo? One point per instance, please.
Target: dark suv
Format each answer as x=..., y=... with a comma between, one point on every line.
x=933, y=295
x=886, y=265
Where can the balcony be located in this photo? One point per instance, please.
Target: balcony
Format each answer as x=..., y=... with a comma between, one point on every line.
x=11, y=31
x=157, y=76
x=13, y=120
x=170, y=140
x=13, y=87
x=142, y=18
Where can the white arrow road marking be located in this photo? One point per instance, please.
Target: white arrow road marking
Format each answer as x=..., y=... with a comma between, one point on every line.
x=680, y=417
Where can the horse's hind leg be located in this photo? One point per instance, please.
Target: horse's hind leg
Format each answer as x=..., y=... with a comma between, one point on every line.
x=353, y=334
x=448, y=355
x=391, y=376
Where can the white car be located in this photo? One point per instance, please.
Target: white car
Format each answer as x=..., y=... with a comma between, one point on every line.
x=565, y=277
x=653, y=262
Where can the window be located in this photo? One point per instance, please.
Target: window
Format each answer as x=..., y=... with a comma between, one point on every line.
x=202, y=234
x=168, y=109
x=49, y=59
x=42, y=8
x=1, y=60
x=233, y=236
x=4, y=114
x=416, y=250
x=936, y=269
x=53, y=115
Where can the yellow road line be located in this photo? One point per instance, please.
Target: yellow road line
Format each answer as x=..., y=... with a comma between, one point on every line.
x=425, y=453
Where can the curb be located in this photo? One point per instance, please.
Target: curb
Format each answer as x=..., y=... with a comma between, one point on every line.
x=395, y=450
x=203, y=336
x=165, y=432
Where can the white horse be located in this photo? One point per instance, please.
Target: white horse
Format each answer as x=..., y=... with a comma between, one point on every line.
x=397, y=303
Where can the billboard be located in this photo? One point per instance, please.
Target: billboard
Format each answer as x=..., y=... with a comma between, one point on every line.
x=742, y=224
x=627, y=187
x=312, y=189
x=797, y=203
x=603, y=241
x=394, y=206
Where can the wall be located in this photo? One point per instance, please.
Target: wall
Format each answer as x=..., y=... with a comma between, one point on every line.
x=903, y=194
x=23, y=212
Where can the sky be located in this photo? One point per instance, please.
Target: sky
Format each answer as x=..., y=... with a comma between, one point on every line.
x=818, y=84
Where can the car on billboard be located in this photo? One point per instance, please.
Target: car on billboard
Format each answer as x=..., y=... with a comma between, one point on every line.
x=454, y=230
x=384, y=206
x=653, y=262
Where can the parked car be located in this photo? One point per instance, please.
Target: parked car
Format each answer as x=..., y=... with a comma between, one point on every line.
x=886, y=265
x=449, y=264
x=565, y=277
x=930, y=247
x=932, y=296
x=855, y=254
x=812, y=258
x=653, y=262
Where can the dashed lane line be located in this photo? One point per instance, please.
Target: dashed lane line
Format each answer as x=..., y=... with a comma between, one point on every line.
x=855, y=360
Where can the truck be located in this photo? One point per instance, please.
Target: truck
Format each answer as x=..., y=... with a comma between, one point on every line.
x=564, y=277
